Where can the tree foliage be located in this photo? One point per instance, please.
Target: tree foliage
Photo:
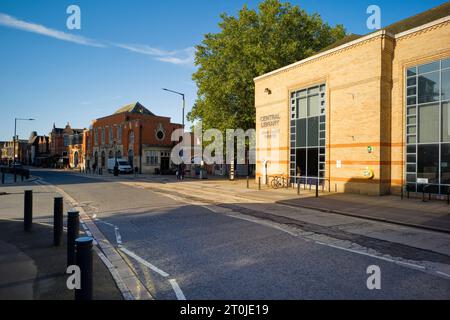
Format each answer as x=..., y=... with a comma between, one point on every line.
x=249, y=45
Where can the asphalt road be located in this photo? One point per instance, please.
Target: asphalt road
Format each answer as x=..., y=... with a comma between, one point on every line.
x=215, y=256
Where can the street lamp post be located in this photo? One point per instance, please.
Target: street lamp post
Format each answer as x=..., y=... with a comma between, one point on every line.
x=184, y=100
x=15, y=135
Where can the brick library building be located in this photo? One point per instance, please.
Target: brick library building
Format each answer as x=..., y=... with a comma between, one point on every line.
x=369, y=114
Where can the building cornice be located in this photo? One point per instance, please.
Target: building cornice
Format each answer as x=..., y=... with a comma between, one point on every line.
x=428, y=26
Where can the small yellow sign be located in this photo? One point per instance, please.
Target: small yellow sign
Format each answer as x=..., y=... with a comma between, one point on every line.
x=368, y=173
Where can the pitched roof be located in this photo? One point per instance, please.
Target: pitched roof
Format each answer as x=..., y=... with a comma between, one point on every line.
x=418, y=20
x=135, y=108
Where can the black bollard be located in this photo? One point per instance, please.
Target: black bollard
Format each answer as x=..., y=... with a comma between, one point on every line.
x=28, y=210
x=73, y=228
x=298, y=187
x=58, y=222
x=84, y=261
x=259, y=183
x=248, y=183
x=3, y=178
x=15, y=176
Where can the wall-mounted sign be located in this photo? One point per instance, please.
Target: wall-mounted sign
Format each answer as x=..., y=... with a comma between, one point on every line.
x=370, y=149
x=338, y=164
x=422, y=180
x=368, y=173
x=272, y=120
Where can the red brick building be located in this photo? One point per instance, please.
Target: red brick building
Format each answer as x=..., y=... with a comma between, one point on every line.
x=132, y=133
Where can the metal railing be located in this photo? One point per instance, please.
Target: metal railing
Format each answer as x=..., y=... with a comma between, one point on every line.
x=23, y=173
x=426, y=189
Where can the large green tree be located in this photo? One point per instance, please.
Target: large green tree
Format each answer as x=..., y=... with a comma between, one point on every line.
x=249, y=45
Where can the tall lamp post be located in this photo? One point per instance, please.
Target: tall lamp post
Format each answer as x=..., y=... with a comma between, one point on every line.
x=15, y=135
x=184, y=101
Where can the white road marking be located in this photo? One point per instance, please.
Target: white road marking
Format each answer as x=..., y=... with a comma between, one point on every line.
x=144, y=262
x=178, y=292
x=415, y=266
x=443, y=274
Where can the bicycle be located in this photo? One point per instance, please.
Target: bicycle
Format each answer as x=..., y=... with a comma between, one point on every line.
x=278, y=182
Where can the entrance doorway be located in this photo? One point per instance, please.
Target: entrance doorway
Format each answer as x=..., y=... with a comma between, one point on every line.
x=308, y=135
x=75, y=159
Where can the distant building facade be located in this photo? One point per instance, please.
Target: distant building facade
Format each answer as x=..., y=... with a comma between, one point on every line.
x=132, y=133
x=38, y=151
x=65, y=146
x=7, y=153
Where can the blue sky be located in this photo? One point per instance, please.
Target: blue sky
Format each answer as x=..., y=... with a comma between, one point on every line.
x=126, y=51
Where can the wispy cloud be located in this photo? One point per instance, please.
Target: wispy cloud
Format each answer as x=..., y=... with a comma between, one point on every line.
x=184, y=56
x=12, y=22
x=177, y=57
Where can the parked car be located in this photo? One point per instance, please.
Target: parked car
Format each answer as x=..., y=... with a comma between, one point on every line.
x=123, y=166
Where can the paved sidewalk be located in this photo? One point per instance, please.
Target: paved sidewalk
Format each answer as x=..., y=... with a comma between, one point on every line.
x=30, y=267
x=409, y=212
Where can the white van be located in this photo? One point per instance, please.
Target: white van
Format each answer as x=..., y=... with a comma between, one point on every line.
x=124, y=166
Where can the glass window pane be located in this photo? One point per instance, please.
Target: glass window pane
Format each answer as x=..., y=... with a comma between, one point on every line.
x=446, y=122
x=429, y=87
x=412, y=71
x=313, y=90
x=313, y=162
x=411, y=178
x=313, y=106
x=411, y=111
x=411, y=130
x=411, y=149
x=411, y=91
x=411, y=120
x=411, y=168
x=429, y=67
x=411, y=81
x=301, y=108
x=445, y=164
x=445, y=63
x=301, y=93
x=301, y=133
x=428, y=162
x=445, y=91
x=411, y=139
x=429, y=123
x=411, y=158
x=322, y=126
x=301, y=162
x=313, y=132
x=412, y=101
